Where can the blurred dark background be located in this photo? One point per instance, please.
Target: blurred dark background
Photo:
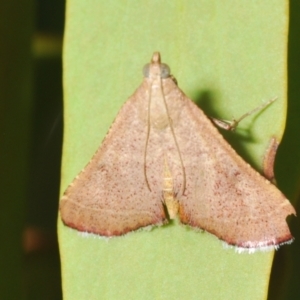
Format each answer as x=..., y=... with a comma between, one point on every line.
x=31, y=33
x=31, y=127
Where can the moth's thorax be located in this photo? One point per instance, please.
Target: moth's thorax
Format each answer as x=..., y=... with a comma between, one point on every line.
x=163, y=105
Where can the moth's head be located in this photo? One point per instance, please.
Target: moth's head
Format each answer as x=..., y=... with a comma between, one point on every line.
x=155, y=68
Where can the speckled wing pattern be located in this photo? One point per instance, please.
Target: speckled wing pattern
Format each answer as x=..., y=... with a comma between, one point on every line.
x=110, y=196
x=227, y=197
x=121, y=189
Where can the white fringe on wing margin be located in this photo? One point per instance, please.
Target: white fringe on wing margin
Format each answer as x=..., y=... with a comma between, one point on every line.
x=256, y=247
x=87, y=234
x=251, y=247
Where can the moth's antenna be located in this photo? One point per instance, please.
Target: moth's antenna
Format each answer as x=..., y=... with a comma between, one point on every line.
x=175, y=140
x=147, y=138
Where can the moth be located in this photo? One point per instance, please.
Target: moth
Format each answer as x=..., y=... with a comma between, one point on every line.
x=161, y=159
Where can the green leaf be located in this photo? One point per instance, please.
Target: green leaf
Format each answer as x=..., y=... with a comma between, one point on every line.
x=232, y=53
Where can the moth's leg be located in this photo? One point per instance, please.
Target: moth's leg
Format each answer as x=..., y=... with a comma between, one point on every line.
x=269, y=159
x=231, y=125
